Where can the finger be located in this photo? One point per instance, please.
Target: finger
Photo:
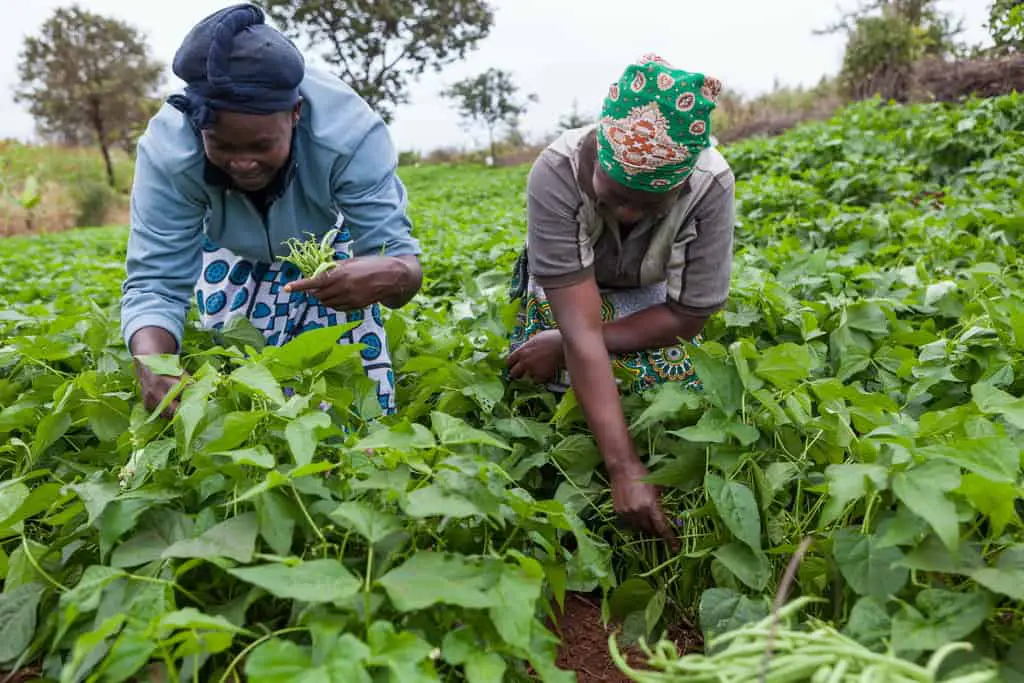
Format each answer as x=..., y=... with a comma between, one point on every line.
x=516, y=369
x=663, y=529
x=303, y=285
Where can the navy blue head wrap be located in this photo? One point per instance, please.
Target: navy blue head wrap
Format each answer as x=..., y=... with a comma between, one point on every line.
x=233, y=61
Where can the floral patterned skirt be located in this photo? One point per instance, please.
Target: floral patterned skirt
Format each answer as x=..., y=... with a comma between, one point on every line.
x=645, y=369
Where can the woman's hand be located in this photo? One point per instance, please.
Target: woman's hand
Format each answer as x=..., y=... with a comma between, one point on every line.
x=150, y=341
x=539, y=358
x=363, y=281
x=638, y=503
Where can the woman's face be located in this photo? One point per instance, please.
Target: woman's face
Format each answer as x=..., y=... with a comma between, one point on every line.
x=627, y=205
x=250, y=148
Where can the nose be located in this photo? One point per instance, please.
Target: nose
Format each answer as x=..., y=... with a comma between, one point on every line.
x=243, y=166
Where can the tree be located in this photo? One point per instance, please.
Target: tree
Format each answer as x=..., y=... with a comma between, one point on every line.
x=574, y=119
x=886, y=39
x=1006, y=25
x=377, y=46
x=488, y=98
x=86, y=78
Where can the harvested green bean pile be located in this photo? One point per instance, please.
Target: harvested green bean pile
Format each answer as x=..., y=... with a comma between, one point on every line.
x=817, y=655
x=311, y=257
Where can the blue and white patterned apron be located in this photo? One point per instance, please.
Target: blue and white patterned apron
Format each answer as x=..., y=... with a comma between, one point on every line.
x=232, y=286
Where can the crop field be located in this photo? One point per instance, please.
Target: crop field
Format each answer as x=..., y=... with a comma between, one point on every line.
x=861, y=423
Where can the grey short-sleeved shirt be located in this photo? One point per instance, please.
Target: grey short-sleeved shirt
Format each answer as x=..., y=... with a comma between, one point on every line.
x=690, y=248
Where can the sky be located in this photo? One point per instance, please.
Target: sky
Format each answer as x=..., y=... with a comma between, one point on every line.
x=561, y=50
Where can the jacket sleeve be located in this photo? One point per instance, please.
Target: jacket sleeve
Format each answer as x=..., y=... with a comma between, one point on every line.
x=164, y=246
x=372, y=199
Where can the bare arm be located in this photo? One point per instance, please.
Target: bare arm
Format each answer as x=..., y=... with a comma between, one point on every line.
x=577, y=309
x=651, y=328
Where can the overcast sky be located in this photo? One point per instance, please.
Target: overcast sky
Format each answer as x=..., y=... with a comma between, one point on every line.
x=558, y=49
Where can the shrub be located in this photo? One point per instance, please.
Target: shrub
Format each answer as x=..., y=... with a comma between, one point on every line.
x=94, y=200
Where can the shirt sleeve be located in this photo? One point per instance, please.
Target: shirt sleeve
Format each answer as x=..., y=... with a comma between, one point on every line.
x=560, y=253
x=700, y=265
x=372, y=199
x=164, y=255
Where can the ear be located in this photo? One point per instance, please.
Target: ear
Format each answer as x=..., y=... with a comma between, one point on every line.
x=297, y=112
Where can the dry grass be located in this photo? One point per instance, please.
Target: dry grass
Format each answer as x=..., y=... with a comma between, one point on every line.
x=56, y=211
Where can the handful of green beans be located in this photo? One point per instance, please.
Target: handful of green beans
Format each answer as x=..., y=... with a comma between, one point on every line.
x=311, y=257
x=820, y=655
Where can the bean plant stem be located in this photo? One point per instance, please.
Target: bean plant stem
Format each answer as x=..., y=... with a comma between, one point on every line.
x=253, y=645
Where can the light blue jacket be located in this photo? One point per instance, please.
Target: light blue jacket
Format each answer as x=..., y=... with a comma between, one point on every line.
x=343, y=160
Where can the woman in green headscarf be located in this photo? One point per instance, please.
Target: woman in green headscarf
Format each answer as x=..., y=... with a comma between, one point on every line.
x=628, y=252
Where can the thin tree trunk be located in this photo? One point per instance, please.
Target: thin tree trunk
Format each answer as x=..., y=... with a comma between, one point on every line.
x=101, y=136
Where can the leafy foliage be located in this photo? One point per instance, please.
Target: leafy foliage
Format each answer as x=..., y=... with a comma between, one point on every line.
x=378, y=47
x=88, y=79
x=1006, y=24
x=863, y=388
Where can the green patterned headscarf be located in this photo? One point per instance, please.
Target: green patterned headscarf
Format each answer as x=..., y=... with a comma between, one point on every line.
x=656, y=120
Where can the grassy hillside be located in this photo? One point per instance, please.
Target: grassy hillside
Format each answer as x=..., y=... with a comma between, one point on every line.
x=73, y=186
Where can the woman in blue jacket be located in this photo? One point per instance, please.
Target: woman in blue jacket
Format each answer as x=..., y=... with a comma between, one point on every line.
x=260, y=149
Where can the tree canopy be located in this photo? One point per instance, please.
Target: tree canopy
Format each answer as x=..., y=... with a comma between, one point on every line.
x=379, y=46
x=87, y=79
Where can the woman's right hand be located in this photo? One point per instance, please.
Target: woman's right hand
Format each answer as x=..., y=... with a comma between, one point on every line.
x=637, y=502
x=155, y=341
x=155, y=388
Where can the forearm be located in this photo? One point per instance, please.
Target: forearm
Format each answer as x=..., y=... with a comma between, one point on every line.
x=149, y=341
x=598, y=397
x=406, y=281
x=651, y=328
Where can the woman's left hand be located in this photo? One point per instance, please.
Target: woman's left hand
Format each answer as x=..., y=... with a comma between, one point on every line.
x=539, y=358
x=358, y=282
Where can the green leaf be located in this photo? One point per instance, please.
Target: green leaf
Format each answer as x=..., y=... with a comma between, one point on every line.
x=723, y=610
x=516, y=596
x=923, y=489
x=403, y=436
x=737, y=507
x=428, y=578
x=228, y=432
x=162, y=364
x=867, y=567
x=258, y=379
x=452, y=431
x=993, y=401
x=302, y=435
x=369, y=523
x=994, y=500
x=159, y=533
x=722, y=383
x=234, y=538
x=995, y=458
x=850, y=482
x=749, y=566
x=869, y=623
x=257, y=456
x=311, y=581
x=941, y=617
x=434, y=501
x=276, y=521
x=278, y=661
x=785, y=365
x=18, y=619
x=485, y=667
x=192, y=619
x=1007, y=576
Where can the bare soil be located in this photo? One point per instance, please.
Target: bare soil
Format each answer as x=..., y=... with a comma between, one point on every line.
x=584, y=646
